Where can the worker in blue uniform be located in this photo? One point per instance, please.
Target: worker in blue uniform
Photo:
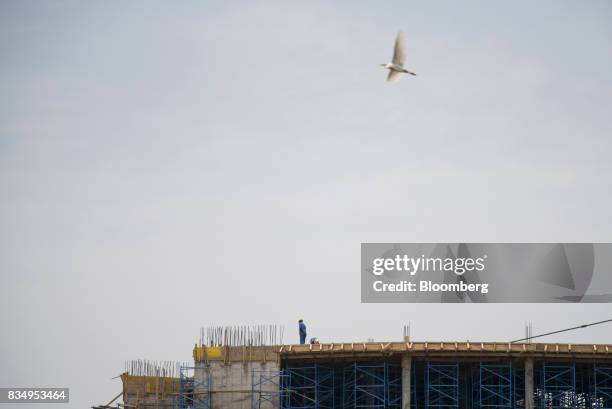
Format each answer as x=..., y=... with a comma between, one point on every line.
x=302, y=328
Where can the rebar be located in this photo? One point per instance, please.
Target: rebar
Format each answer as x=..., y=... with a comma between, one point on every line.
x=143, y=367
x=242, y=335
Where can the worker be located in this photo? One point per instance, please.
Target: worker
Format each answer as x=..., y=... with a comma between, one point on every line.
x=302, y=328
x=314, y=340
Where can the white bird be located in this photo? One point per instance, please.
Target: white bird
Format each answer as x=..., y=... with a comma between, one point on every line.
x=396, y=66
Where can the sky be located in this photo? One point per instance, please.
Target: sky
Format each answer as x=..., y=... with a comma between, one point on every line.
x=166, y=166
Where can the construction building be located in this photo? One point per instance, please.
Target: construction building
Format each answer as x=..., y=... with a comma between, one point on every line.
x=395, y=375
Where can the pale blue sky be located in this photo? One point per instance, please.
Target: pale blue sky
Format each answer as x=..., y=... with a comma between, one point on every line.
x=165, y=166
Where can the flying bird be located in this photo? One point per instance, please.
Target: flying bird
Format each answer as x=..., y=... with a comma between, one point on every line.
x=396, y=66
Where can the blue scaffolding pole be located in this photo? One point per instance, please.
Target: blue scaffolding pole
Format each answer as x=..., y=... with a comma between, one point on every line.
x=495, y=385
x=602, y=379
x=308, y=387
x=442, y=386
x=559, y=384
x=372, y=385
x=194, y=391
x=413, y=387
x=475, y=382
x=518, y=386
x=266, y=388
x=393, y=377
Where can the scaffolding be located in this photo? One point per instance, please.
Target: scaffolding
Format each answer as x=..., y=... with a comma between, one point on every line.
x=307, y=387
x=474, y=399
x=266, y=389
x=414, y=403
x=518, y=386
x=602, y=379
x=442, y=386
x=476, y=384
x=372, y=385
x=495, y=385
x=194, y=391
x=559, y=386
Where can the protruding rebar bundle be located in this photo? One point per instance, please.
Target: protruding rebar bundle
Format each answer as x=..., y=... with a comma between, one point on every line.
x=407, y=332
x=143, y=367
x=528, y=332
x=242, y=335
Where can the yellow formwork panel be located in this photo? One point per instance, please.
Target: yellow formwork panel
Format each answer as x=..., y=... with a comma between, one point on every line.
x=150, y=384
x=214, y=352
x=203, y=353
x=228, y=354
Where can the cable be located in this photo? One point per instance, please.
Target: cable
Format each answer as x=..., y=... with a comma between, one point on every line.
x=562, y=330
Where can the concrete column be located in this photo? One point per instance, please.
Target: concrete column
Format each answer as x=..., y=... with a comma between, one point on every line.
x=529, y=383
x=407, y=381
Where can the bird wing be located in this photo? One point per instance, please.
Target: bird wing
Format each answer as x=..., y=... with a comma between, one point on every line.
x=399, y=52
x=393, y=76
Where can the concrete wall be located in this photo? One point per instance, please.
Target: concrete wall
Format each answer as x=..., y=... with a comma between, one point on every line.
x=231, y=383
